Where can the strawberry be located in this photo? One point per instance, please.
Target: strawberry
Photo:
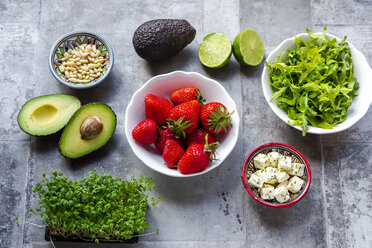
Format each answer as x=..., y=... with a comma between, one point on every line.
x=164, y=135
x=185, y=95
x=189, y=111
x=157, y=108
x=198, y=137
x=215, y=118
x=197, y=157
x=146, y=132
x=174, y=130
x=172, y=153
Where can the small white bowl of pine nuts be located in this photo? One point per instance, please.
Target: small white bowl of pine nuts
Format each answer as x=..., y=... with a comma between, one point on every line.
x=81, y=59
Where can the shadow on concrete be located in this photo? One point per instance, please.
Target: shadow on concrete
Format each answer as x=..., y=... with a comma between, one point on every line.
x=44, y=144
x=180, y=60
x=102, y=92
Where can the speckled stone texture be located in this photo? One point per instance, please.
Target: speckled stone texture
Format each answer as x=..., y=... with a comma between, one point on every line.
x=212, y=210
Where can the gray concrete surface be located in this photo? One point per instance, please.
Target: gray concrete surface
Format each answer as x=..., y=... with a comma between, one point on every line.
x=212, y=210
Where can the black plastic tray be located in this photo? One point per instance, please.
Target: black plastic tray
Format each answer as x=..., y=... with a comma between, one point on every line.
x=133, y=240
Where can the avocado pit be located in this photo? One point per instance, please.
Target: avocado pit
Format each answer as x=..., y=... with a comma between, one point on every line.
x=91, y=127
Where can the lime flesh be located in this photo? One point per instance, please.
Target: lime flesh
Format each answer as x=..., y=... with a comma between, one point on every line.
x=215, y=50
x=248, y=48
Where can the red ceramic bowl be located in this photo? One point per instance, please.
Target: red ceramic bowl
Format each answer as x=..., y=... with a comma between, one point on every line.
x=248, y=169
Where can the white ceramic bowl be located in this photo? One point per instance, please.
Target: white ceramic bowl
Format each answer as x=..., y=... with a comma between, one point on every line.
x=163, y=85
x=360, y=104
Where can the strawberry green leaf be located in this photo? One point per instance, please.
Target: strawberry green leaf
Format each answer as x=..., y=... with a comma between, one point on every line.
x=199, y=97
x=211, y=148
x=178, y=127
x=220, y=120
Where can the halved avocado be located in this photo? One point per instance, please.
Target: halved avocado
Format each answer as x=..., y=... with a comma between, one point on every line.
x=47, y=114
x=88, y=129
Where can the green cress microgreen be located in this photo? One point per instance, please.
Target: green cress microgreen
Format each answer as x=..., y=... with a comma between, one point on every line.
x=315, y=85
x=95, y=207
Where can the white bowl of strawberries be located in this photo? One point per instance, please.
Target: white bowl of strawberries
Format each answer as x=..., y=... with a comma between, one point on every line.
x=182, y=124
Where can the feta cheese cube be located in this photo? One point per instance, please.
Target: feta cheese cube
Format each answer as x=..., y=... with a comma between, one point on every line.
x=282, y=176
x=267, y=192
x=281, y=194
x=297, y=169
x=285, y=163
x=273, y=158
x=259, y=173
x=295, y=184
x=284, y=184
x=256, y=181
x=270, y=175
x=261, y=161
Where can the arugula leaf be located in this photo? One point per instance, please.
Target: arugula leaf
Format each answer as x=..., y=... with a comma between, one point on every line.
x=315, y=85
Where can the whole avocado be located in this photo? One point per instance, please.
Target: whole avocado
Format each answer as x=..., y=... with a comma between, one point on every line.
x=161, y=39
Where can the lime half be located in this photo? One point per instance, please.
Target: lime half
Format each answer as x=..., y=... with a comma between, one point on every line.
x=215, y=50
x=248, y=48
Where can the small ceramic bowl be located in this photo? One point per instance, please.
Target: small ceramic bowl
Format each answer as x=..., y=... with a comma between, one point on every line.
x=72, y=40
x=362, y=72
x=163, y=86
x=283, y=149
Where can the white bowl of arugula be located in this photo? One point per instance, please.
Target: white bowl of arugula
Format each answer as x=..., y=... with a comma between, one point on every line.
x=317, y=83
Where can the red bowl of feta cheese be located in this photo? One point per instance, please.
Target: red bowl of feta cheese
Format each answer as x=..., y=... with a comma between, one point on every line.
x=276, y=175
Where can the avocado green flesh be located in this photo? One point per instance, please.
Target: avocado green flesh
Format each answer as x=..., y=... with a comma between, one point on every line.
x=48, y=114
x=71, y=144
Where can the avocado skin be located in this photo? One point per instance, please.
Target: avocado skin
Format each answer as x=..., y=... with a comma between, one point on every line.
x=161, y=39
x=75, y=116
